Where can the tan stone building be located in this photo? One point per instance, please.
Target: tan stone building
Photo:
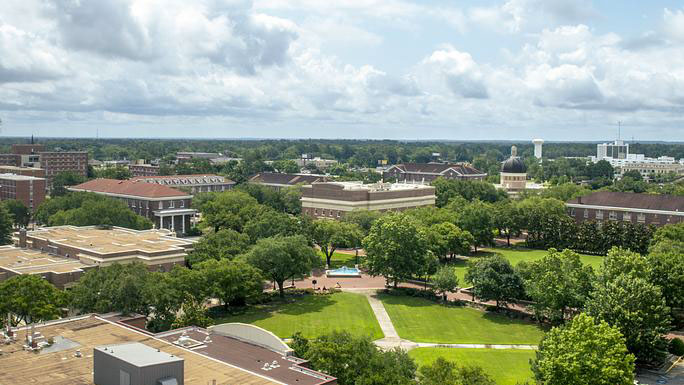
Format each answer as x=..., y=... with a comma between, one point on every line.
x=334, y=199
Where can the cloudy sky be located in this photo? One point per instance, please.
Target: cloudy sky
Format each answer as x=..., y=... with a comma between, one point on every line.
x=429, y=69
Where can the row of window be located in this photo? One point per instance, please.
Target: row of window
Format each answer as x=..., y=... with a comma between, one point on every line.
x=626, y=216
x=172, y=204
x=328, y=213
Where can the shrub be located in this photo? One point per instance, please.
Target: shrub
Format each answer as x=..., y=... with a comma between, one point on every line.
x=676, y=347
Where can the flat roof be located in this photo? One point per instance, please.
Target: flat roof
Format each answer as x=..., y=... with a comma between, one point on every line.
x=375, y=187
x=5, y=167
x=138, y=354
x=29, y=261
x=114, y=240
x=86, y=333
x=19, y=177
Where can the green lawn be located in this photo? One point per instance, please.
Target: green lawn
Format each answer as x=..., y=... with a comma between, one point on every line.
x=421, y=320
x=339, y=259
x=517, y=255
x=506, y=367
x=313, y=316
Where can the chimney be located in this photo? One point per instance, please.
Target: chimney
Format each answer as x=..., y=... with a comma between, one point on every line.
x=22, y=238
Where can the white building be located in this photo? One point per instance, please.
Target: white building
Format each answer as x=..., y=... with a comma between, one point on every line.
x=617, y=154
x=538, y=147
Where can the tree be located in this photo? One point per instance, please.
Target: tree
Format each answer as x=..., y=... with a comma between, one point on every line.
x=447, y=189
x=666, y=263
x=164, y=300
x=31, y=298
x=355, y=360
x=443, y=372
x=448, y=239
x=270, y=223
x=281, y=258
x=584, y=352
x=637, y=308
x=445, y=281
x=225, y=243
x=363, y=218
x=672, y=232
x=558, y=284
x=477, y=218
x=21, y=215
x=331, y=235
x=396, y=247
x=286, y=166
x=117, y=172
x=234, y=282
x=601, y=169
x=230, y=210
x=494, y=279
x=538, y=213
x=62, y=180
x=5, y=226
x=101, y=211
x=114, y=288
x=634, y=174
x=507, y=219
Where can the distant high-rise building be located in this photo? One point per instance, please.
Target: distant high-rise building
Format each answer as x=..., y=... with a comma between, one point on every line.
x=616, y=150
x=538, y=147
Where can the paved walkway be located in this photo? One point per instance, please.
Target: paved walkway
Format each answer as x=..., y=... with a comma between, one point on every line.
x=392, y=339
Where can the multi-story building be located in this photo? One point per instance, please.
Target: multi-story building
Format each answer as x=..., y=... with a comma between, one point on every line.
x=10, y=160
x=427, y=172
x=277, y=181
x=318, y=162
x=26, y=171
x=55, y=162
x=191, y=183
x=144, y=170
x=59, y=271
x=334, y=199
x=186, y=156
x=104, y=246
x=27, y=189
x=616, y=150
x=647, y=209
x=166, y=207
x=113, y=349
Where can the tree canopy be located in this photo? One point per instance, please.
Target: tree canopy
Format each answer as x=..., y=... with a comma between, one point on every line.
x=494, y=279
x=31, y=298
x=330, y=235
x=225, y=243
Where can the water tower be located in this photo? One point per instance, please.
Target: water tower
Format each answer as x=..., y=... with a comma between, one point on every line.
x=538, y=147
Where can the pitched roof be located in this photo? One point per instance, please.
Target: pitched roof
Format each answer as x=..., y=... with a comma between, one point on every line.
x=184, y=179
x=286, y=179
x=128, y=187
x=632, y=200
x=438, y=168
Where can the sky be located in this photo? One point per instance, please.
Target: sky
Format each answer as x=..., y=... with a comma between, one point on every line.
x=354, y=69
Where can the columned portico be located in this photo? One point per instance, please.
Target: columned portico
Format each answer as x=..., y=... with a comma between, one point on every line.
x=178, y=220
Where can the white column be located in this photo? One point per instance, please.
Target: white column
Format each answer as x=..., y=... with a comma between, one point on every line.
x=173, y=223
x=183, y=223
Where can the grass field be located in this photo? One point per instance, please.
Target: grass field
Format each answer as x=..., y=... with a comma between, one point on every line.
x=313, y=316
x=506, y=367
x=421, y=320
x=517, y=255
x=339, y=259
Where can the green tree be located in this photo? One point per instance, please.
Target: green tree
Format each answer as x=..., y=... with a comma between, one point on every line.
x=494, y=279
x=163, y=298
x=584, y=352
x=230, y=210
x=557, y=284
x=21, y=215
x=634, y=174
x=5, y=226
x=330, y=235
x=440, y=372
x=101, y=211
x=112, y=288
x=446, y=239
x=234, y=282
x=225, y=243
x=270, y=223
x=117, y=172
x=625, y=298
x=356, y=360
x=396, y=247
x=283, y=258
x=672, y=232
x=666, y=263
x=508, y=219
x=470, y=190
x=477, y=218
x=286, y=166
x=31, y=298
x=363, y=218
x=445, y=281
x=64, y=179
x=192, y=314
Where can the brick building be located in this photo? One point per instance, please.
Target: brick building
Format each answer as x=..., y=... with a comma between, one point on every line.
x=27, y=171
x=94, y=246
x=191, y=183
x=427, y=172
x=59, y=271
x=166, y=207
x=333, y=199
x=27, y=189
x=648, y=209
x=62, y=161
x=143, y=170
x=277, y=181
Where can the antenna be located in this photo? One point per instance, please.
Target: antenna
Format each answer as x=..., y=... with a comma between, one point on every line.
x=619, y=128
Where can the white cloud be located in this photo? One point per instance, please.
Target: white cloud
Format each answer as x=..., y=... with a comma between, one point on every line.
x=455, y=70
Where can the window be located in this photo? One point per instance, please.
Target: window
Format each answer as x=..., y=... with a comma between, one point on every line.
x=612, y=216
x=627, y=217
x=172, y=204
x=572, y=212
x=599, y=214
x=641, y=218
x=182, y=203
x=161, y=205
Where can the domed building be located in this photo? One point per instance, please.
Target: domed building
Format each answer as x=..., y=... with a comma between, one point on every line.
x=513, y=173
